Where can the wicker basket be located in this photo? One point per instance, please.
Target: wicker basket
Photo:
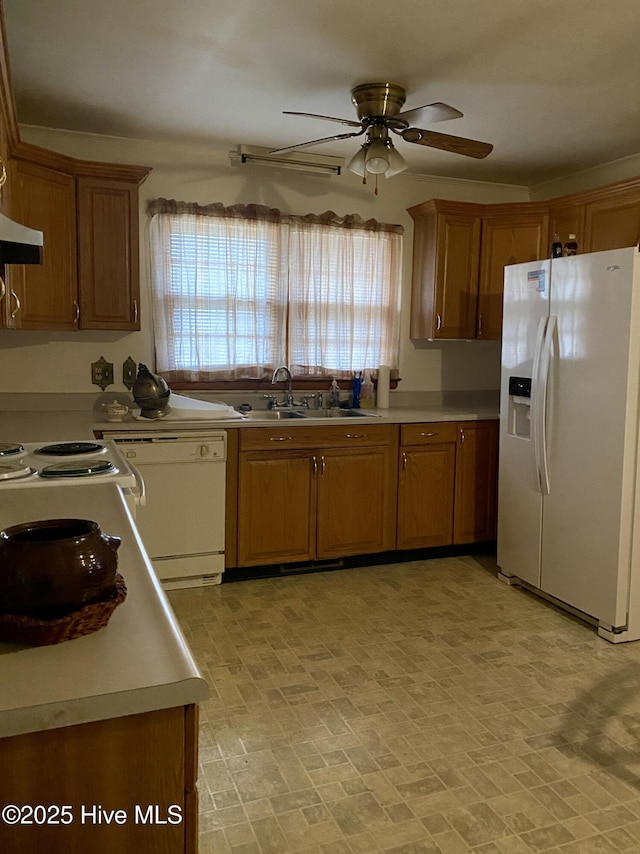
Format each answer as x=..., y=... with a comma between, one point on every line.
x=19, y=628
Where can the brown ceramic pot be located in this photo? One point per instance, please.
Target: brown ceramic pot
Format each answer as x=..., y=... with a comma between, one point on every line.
x=55, y=566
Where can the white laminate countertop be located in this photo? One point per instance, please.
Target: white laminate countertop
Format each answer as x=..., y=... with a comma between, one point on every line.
x=395, y=415
x=71, y=425
x=139, y=662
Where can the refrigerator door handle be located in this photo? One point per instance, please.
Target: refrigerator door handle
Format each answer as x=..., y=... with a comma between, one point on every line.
x=545, y=403
x=536, y=439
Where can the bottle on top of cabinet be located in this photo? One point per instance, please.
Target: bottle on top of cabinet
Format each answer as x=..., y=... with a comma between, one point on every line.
x=556, y=247
x=571, y=246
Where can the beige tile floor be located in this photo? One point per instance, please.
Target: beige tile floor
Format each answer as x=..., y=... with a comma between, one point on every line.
x=418, y=708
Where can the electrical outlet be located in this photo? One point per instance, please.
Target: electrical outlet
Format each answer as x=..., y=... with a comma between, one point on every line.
x=102, y=373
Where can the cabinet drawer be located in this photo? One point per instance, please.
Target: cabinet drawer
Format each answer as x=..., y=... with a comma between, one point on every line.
x=300, y=436
x=428, y=434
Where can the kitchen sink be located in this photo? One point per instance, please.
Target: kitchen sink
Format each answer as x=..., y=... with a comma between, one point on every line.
x=287, y=414
x=338, y=413
x=273, y=414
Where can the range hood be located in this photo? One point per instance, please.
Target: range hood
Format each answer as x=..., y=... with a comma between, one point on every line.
x=19, y=244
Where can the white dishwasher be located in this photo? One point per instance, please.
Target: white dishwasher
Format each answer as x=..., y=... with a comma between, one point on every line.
x=182, y=520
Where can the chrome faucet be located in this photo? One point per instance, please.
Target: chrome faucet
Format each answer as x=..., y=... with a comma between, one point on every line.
x=288, y=395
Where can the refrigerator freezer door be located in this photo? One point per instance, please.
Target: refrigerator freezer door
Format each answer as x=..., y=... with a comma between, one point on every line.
x=587, y=527
x=526, y=306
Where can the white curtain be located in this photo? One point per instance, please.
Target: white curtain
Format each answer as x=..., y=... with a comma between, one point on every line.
x=344, y=298
x=238, y=291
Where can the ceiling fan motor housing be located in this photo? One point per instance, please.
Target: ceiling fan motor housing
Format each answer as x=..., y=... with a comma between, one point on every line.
x=378, y=99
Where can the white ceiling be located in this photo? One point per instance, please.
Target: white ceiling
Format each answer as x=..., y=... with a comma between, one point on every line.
x=553, y=84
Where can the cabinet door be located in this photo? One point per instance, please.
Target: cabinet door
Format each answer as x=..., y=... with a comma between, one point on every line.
x=565, y=221
x=612, y=223
x=475, y=491
x=102, y=766
x=445, y=275
x=425, y=496
x=356, y=501
x=507, y=239
x=276, y=507
x=44, y=295
x=108, y=254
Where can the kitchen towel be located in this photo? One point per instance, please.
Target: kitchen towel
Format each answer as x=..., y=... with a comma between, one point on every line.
x=384, y=377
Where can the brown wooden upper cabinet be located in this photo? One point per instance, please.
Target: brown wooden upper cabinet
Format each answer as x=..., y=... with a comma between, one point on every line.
x=460, y=251
x=446, y=253
x=108, y=253
x=511, y=234
x=88, y=212
x=459, y=254
x=612, y=223
x=606, y=217
x=566, y=218
x=44, y=296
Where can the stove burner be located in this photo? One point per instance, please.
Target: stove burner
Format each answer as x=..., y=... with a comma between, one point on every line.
x=70, y=449
x=9, y=448
x=76, y=468
x=12, y=471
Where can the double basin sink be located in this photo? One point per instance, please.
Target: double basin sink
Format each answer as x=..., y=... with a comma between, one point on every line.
x=288, y=414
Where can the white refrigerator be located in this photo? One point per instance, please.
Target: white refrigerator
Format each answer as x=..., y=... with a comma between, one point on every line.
x=569, y=478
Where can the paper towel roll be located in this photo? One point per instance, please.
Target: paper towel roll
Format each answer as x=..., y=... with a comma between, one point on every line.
x=384, y=376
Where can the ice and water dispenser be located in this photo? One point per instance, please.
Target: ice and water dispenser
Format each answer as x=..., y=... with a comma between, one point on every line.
x=519, y=413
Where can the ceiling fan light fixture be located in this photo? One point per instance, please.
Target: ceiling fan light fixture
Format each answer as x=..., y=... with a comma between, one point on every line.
x=357, y=163
x=397, y=163
x=377, y=157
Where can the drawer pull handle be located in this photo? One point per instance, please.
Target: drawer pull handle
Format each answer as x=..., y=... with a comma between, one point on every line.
x=280, y=438
x=3, y=287
x=17, y=302
x=315, y=465
x=438, y=322
x=322, y=466
x=428, y=434
x=77, y=308
x=135, y=311
x=404, y=461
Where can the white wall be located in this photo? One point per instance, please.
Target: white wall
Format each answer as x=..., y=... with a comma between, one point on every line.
x=41, y=361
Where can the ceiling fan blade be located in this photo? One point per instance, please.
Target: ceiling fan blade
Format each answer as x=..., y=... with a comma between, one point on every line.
x=429, y=114
x=315, y=142
x=446, y=142
x=348, y=122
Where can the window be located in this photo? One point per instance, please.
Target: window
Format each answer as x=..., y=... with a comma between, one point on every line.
x=238, y=291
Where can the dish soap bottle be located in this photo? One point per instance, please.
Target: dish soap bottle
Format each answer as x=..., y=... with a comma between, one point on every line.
x=334, y=395
x=366, y=392
x=355, y=393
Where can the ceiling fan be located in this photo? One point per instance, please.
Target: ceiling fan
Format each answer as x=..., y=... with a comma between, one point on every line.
x=378, y=107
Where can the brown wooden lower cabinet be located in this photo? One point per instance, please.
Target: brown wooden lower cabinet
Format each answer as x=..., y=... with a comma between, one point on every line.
x=322, y=492
x=125, y=785
x=425, y=496
x=474, y=519
x=276, y=507
x=447, y=484
x=355, y=506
